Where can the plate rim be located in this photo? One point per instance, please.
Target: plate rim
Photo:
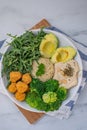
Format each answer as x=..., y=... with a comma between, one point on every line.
x=36, y=30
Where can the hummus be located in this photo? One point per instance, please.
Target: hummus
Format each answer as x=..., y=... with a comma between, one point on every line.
x=67, y=73
x=49, y=69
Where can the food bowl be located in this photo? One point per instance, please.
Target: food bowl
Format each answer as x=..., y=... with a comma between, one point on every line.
x=64, y=41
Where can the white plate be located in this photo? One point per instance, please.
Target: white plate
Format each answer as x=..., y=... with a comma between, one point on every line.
x=64, y=41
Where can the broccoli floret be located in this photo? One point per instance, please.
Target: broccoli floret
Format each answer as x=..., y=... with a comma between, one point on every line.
x=51, y=85
x=55, y=105
x=33, y=99
x=49, y=97
x=43, y=106
x=37, y=86
x=62, y=93
x=46, y=96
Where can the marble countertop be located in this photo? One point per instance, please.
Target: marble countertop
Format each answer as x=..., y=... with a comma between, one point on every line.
x=68, y=15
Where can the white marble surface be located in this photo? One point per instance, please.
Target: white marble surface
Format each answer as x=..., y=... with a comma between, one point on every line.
x=69, y=16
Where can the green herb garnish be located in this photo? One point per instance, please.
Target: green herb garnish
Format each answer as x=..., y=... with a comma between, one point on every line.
x=41, y=70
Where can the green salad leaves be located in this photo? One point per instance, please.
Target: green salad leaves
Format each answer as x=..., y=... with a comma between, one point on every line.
x=24, y=49
x=45, y=96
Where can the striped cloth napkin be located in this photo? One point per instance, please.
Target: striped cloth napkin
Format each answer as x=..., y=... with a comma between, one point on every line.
x=66, y=110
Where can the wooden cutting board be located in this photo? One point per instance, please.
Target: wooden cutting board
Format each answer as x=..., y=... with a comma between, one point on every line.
x=32, y=117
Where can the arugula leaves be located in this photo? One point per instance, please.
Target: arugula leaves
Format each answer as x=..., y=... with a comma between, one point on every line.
x=23, y=50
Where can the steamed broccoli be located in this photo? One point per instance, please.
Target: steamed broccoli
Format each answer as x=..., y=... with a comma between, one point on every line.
x=33, y=99
x=51, y=85
x=62, y=93
x=37, y=86
x=49, y=97
x=46, y=96
x=55, y=105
